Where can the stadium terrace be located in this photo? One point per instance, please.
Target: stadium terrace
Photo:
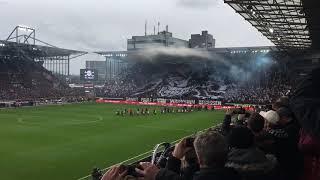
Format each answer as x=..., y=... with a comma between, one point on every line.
x=167, y=108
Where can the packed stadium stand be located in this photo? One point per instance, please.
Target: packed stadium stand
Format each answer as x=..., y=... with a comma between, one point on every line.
x=279, y=138
x=196, y=78
x=23, y=75
x=25, y=79
x=280, y=142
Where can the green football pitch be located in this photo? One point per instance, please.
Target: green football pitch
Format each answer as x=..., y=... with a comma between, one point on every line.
x=65, y=142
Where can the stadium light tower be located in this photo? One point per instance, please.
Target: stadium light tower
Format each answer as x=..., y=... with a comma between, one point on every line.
x=28, y=33
x=25, y=28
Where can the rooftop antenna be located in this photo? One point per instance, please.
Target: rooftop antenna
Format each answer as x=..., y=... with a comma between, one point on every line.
x=158, y=27
x=145, y=28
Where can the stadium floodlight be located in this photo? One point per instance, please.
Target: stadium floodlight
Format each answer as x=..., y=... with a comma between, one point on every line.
x=25, y=28
x=271, y=30
x=279, y=38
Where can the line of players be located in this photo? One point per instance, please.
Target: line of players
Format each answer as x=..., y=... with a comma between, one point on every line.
x=146, y=111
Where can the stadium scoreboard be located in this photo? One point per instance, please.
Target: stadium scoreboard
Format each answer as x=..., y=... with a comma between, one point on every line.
x=88, y=75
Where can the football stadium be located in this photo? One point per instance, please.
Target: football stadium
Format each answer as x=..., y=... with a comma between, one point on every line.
x=165, y=107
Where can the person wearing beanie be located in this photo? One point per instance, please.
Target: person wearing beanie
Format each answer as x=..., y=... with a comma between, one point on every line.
x=284, y=134
x=250, y=162
x=271, y=117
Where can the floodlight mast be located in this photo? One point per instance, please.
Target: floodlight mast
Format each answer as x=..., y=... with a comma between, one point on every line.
x=30, y=34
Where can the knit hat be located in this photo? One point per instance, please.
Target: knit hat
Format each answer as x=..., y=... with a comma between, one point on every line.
x=271, y=116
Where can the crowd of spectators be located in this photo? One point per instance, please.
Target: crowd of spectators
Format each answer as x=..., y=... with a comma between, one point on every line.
x=282, y=143
x=255, y=95
x=24, y=79
x=271, y=84
x=118, y=88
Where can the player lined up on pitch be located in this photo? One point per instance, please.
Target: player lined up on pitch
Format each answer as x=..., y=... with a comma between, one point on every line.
x=155, y=111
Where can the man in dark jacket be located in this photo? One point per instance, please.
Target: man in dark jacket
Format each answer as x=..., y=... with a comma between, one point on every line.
x=250, y=162
x=285, y=133
x=211, y=149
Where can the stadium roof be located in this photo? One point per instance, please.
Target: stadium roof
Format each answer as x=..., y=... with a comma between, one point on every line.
x=289, y=24
x=8, y=48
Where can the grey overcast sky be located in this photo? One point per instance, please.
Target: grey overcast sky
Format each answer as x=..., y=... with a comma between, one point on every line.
x=93, y=25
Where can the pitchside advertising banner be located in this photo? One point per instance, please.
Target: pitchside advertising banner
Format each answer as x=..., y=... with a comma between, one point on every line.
x=170, y=102
x=88, y=75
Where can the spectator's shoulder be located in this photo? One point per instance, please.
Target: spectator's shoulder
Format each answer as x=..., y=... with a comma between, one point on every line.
x=232, y=174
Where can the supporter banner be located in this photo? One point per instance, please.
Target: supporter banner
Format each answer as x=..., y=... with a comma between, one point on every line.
x=181, y=101
x=132, y=99
x=176, y=101
x=161, y=100
x=209, y=102
x=146, y=100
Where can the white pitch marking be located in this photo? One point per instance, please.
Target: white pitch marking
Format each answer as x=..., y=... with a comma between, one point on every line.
x=140, y=155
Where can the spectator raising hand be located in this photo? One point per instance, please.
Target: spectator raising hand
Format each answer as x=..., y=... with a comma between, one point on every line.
x=149, y=171
x=182, y=148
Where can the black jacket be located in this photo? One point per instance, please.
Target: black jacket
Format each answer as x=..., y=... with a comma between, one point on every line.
x=203, y=174
x=285, y=148
x=252, y=163
x=217, y=174
x=174, y=165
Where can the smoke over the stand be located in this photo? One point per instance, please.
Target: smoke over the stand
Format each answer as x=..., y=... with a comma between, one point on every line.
x=238, y=67
x=151, y=53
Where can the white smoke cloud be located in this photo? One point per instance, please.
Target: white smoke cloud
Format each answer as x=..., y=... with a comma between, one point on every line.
x=174, y=51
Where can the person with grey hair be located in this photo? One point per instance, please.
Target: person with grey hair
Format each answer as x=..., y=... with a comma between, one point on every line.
x=211, y=149
x=207, y=155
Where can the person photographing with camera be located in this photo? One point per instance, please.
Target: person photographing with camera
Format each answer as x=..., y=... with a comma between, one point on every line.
x=211, y=150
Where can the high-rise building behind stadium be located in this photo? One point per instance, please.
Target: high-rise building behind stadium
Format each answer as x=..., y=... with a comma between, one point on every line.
x=203, y=40
x=161, y=39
